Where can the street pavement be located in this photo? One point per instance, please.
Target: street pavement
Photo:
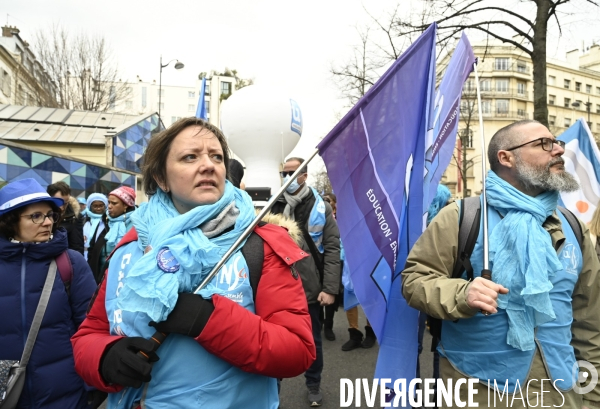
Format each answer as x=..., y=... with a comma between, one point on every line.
x=358, y=363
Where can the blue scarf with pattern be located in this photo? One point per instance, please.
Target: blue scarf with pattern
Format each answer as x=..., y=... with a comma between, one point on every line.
x=160, y=227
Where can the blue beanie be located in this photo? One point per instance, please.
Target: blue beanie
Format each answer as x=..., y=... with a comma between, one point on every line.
x=96, y=197
x=439, y=201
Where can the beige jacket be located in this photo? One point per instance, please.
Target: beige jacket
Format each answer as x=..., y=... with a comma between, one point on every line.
x=427, y=286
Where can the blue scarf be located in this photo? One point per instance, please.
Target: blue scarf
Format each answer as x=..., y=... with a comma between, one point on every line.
x=523, y=257
x=118, y=226
x=94, y=221
x=149, y=289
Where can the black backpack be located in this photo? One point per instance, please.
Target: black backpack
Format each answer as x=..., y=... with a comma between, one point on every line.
x=469, y=223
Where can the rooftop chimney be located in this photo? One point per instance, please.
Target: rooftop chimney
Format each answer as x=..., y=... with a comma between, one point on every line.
x=8, y=31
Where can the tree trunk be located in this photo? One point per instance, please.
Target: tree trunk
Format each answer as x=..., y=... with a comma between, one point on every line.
x=538, y=58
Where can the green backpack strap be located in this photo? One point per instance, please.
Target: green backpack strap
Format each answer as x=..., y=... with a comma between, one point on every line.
x=574, y=223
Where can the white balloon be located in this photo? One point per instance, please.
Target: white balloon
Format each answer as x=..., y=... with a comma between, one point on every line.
x=262, y=127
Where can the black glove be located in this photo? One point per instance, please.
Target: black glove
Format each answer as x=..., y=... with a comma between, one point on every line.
x=121, y=363
x=189, y=317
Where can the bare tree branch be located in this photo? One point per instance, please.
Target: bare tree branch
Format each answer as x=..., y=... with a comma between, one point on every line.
x=81, y=67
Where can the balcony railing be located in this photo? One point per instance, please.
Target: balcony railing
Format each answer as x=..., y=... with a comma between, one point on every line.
x=500, y=114
x=509, y=93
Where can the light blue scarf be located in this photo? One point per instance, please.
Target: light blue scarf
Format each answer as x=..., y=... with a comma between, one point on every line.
x=95, y=220
x=523, y=258
x=149, y=289
x=118, y=226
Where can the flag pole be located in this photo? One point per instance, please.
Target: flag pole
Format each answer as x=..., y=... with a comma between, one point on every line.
x=257, y=219
x=486, y=272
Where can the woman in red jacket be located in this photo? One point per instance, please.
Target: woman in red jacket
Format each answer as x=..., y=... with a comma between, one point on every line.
x=226, y=345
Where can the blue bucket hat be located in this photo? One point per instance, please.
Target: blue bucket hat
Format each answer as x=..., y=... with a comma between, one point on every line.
x=22, y=193
x=81, y=200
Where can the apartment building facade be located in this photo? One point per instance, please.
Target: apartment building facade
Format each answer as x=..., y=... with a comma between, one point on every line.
x=176, y=102
x=23, y=80
x=506, y=84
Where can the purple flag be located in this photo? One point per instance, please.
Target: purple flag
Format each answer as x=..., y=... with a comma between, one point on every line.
x=441, y=137
x=375, y=158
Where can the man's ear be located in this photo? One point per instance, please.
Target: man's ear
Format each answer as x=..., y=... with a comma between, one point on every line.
x=505, y=158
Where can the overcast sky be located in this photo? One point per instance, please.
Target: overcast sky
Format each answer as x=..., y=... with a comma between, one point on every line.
x=290, y=45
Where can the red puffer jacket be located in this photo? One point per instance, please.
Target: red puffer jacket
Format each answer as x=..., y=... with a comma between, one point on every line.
x=277, y=341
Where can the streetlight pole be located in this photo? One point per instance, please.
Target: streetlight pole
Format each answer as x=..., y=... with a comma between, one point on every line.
x=588, y=106
x=178, y=65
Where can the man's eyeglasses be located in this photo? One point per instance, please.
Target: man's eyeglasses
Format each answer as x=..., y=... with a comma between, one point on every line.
x=39, y=217
x=287, y=173
x=547, y=144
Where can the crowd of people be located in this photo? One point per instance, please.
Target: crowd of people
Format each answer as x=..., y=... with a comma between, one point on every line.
x=109, y=305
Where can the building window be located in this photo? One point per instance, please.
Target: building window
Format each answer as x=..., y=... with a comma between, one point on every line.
x=521, y=88
x=551, y=80
x=578, y=86
x=144, y=102
x=521, y=113
x=466, y=137
x=6, y=83
x=551, y=120
x=588, y=89
x=207, y=89
x=502, y=85
x=598, y=90
x=464, y=106
x=521, y=66
x=173, y=120
x=567, y=103
x=128, y=104
x=112, y=96
x=160, y=92
x=20, y=95
x=501, y=64
x=162, y=106
x=486, y=106
x=469, y=85
x=191, y=107
x=207, y=108
x=568, y=84
x=225, y=88
x=597, y=109
x=551, y=99
x=486, y=85
x=191, y=94
x=580, y=104
x=502, y=106
x=567, y=122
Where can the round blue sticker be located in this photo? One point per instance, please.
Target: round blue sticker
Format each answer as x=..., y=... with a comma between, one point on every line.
x=167, y=261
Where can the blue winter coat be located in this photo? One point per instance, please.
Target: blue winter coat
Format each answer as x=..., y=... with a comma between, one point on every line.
x=51, y=380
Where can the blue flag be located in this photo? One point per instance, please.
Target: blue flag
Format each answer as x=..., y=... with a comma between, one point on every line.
x=582, y=160
x=201, y=110
x=375, y=157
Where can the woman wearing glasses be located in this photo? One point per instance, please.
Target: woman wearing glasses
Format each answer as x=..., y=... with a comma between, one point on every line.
x=29, y=241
